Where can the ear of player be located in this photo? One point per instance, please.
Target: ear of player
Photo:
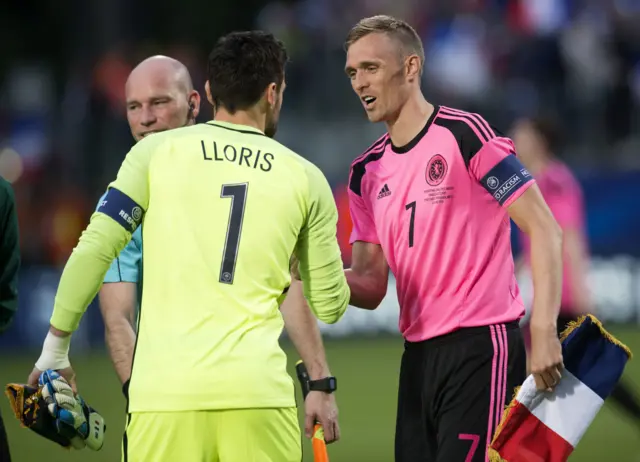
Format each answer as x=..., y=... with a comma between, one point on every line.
x=54, y=412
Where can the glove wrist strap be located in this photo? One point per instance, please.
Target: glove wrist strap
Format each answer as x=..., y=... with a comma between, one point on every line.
x=55, y=353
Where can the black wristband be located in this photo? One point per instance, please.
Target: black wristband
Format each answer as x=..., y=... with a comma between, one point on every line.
x=125, y=389
x=327, y=385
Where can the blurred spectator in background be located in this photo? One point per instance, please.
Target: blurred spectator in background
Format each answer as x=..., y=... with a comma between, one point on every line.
x=537, y=141
x=9, y=268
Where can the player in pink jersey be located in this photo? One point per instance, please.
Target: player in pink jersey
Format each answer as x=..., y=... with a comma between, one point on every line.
x=537, y=140
x=431, y=201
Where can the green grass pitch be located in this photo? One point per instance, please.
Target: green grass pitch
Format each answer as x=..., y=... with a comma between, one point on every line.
x=367, y=407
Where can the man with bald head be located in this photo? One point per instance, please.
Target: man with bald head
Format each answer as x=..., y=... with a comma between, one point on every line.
x=160, y=96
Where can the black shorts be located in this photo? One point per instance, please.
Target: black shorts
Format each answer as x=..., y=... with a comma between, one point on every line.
x=4, y=444
x=453, y=390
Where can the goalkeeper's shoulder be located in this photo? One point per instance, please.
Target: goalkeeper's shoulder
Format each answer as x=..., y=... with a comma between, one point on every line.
x=299, y=173
x=290, y=157
x=309, y=176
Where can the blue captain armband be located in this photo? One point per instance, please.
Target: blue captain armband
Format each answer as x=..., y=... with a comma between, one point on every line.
x=122, y=209
x=505, y=178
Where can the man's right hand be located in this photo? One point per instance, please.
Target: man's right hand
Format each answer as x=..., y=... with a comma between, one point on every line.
x=321, y=407
x=67, y=373
x=546, y=357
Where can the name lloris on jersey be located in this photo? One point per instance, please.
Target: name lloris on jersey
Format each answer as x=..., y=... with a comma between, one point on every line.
x=242, y=155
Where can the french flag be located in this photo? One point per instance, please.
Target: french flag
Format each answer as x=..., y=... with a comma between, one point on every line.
x=538, y=426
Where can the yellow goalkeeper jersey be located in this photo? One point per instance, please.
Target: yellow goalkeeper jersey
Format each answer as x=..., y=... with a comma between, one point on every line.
x=223, y=208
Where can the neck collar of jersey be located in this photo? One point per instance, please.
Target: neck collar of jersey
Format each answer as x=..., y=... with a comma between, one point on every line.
x=416, y=139
x=236, y=127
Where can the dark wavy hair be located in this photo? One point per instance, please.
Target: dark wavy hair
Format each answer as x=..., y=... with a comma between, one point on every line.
x=242, y=65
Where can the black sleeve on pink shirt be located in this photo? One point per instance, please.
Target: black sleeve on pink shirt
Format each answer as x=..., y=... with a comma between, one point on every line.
x=359, y=168
x=470, y=141
x=497, y=169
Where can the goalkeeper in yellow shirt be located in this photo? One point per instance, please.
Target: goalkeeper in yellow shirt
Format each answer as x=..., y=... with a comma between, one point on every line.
x=223, y=209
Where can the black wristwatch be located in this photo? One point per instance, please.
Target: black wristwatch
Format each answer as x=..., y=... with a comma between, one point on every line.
x=327, y=385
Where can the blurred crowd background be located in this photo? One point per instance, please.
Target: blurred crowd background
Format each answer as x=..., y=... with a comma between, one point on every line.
x=63, y=65
x=64, y=134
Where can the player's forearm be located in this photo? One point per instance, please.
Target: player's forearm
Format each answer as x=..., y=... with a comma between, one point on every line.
x=367, y=291
x=302, y=329
x=84, y=272
x=546, y=272
x=325, y=288
x=329, y=302
x=118, y=303
x=121, y=340
x=320, y=262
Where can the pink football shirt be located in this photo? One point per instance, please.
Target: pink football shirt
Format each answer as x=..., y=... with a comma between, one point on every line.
x=437, y=206
x=563, y=195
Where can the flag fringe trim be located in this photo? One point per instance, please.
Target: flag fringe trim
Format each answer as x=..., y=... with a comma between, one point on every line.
x=573, y=325
x=493, y=454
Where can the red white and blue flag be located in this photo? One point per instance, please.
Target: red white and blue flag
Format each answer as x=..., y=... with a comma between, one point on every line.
x=540, y=426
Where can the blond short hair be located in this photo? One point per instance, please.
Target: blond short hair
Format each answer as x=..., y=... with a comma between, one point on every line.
x=396, y=28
